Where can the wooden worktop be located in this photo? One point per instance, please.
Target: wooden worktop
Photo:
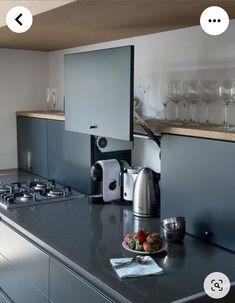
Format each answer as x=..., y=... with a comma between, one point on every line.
x=41, y=114
x=211, y=131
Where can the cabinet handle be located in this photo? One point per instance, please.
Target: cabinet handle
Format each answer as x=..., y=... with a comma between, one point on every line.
x=93, y=126
x=5, y=295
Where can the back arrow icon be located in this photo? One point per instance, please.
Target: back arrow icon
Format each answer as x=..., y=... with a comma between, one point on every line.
x=17, y=19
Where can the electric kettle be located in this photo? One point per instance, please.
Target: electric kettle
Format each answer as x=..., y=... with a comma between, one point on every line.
x=146, y=197
x=129, y=176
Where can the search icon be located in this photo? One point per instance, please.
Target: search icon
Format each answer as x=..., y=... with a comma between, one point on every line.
x=216, y=284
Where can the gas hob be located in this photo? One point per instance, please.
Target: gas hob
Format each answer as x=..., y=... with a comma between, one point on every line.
x=19, y=194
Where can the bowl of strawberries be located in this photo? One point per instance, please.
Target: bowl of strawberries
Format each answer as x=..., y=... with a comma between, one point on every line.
x=144, y=242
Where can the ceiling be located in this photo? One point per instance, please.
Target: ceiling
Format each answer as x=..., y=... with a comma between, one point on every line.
x=86, y=22
x=35, y=6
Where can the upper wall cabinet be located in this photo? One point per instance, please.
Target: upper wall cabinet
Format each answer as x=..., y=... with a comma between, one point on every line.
x=99, y=92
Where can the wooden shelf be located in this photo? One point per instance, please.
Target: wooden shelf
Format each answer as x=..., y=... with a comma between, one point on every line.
x=52, y=115
x=214, y=132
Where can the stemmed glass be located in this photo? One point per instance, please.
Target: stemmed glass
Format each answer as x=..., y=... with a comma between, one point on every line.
x=207, y=94
x=226, y=93
x=174, y=94
x=185, y=108
x=164, y=97
x=191, y=94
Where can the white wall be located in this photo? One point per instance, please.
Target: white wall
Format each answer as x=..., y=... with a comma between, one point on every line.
x=185, y=53
x=23, y=83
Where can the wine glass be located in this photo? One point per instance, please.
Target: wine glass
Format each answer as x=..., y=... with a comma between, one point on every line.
x=207, y=94
x=185, y=105
x=191, y=94
x=174, y=94
x=226, y=93
x=164, y=98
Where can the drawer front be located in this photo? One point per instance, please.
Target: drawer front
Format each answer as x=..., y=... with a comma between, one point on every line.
x=17, y=287
x=65, y=286
x=26, y=257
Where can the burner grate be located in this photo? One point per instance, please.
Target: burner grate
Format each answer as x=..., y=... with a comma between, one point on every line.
x=39, y=191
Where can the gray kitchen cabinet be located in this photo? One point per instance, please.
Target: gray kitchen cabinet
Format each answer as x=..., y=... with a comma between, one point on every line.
x=25, y=256
x=99, y=92
x=65, y=286
x=197, y=181
x=32, y=145
x=69, y=157
x=16, y=287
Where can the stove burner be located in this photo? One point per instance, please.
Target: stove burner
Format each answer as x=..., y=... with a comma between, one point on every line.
x=40, y=186
x=56, y=192
x=25, y=197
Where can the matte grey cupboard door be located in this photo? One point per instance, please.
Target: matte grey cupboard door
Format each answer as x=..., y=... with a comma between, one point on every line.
x=32, y=145
x=197, y=182
x=65, y=286
x=99, y=92
x=25, y=256
x=17, y=287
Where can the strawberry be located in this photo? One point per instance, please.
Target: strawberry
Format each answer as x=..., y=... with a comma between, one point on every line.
x=141, y=236
x=138, y=246
x=147, y=247
x=156, y=246
x=131, y=242
x=154, y=238
x=127, y=238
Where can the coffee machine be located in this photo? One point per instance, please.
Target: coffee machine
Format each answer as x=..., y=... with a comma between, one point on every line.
x=106, y=175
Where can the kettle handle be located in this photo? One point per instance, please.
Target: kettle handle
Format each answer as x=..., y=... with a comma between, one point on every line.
x=157, y=178
x=121, y=176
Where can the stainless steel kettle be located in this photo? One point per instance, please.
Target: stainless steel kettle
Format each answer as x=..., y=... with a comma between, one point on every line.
x=146, y=201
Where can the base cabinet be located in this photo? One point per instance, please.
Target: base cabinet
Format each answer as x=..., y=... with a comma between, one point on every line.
x=65, y=286
x=27, y=274
x=25, y=257
x=16, y=287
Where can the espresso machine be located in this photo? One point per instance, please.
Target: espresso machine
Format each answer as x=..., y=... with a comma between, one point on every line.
x=106, y=175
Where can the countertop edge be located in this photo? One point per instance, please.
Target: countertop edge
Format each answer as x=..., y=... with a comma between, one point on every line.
x=213, y=132
x=56, y=115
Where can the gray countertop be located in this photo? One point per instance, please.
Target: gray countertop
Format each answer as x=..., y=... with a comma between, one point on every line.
x=85, y=236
